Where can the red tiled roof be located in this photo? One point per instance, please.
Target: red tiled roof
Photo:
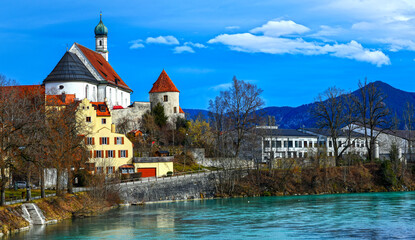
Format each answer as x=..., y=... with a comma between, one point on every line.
x=24, y=89
x=163, y=84
x=127, y=166
x=103, y=67
x=101, y=108
x=57, y=100
x=117, y=107
x=180, y=110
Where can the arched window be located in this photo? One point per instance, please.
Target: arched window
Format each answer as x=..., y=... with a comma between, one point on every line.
x=100, y=42
x=93, y=94
x=86, y=91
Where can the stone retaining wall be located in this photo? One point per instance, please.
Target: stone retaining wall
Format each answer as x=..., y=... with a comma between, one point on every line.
x=175, y=188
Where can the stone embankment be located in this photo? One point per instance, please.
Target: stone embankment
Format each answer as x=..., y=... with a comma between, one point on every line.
x=201, y=185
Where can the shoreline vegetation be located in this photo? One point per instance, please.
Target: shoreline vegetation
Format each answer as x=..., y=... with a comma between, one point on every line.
x=58, y=208
x=360, y=178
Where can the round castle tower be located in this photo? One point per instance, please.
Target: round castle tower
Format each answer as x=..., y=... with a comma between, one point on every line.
x=165, y=92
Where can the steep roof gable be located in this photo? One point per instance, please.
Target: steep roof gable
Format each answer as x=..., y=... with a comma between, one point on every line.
x=70, y=68
x=103, y=67
x=163, y=84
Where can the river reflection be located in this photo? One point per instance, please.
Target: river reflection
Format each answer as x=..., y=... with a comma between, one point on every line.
x=346, y=216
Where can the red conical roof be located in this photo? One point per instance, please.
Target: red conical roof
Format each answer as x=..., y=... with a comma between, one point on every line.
x=163, y=84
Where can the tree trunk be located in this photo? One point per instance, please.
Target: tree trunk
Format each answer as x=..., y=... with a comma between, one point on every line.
x=70, y=185
x=3, y=183
x=28, y=183
x=58, y=182
x=42, y=183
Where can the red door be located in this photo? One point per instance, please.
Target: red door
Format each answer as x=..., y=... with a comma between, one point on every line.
x=147, y=172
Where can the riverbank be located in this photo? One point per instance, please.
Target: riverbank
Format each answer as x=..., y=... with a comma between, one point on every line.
x=53, y=208
x=370, y=177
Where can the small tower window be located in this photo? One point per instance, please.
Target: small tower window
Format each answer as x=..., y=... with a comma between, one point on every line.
x=175, y=109
x=86, y=91
x=100, y=42
x=166, y=98
x=61, y=86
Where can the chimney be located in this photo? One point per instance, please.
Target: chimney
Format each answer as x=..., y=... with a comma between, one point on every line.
x=113, y=128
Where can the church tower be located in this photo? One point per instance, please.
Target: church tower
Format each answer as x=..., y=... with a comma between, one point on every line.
x=101, y=32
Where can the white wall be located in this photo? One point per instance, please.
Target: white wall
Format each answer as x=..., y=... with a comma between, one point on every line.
x=77, y=88
x=117, y=96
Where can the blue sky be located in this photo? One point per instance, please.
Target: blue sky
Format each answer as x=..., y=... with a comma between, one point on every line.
x=293, y=50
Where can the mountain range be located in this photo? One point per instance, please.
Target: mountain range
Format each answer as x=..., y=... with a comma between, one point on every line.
x=296, y=117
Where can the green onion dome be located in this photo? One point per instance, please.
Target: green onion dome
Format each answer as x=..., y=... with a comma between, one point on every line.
x=101, y=29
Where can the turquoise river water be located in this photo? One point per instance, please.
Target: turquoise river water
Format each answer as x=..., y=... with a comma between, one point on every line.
x=342, y=216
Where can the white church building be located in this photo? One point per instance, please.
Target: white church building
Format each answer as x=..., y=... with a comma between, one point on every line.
x=87, y=74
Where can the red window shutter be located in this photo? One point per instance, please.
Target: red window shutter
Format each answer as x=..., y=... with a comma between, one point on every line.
x=95, y=154
x=126, y=153
x=107, y=169
x=86, y=140
x=90, y=154
x=100, y=141
x=122, y=140
x=108, y=140
x=93, y=141
x=106, y=154
x=115, y=140
x=119, y=153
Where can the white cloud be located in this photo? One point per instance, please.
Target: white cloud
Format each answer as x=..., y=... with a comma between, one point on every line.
x=399, y=44
x=354, y=50
x=280, y=28
x=168, y=40
x=232, y=27
x=196, y=45
x=327, y=31
x=223, y=86
x=135, y=44
x=247, y=42
x=182, y=49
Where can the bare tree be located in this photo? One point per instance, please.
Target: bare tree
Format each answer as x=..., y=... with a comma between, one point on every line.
x=334, y=110
x=239, y=103
x=408, y=116
x=373, y=114
x=66, y=144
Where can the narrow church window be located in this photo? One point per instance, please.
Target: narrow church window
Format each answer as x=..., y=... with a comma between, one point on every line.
x=93, y=93
x=166, y=98
x=86, y=91
x=100, y=42
x=175, y=110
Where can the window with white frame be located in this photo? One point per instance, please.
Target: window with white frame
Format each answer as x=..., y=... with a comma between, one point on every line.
x=100, y=169
x=89, y=141
x=99, y=154
x=111, y=170
x=104, y=141
x=118, y=141
x=123, y=153
x=111, y=153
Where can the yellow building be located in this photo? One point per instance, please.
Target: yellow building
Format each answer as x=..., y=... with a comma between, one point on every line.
x=108, y=150
x=153, y=166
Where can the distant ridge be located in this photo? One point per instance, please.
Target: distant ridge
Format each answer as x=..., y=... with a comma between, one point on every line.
x=297, y=117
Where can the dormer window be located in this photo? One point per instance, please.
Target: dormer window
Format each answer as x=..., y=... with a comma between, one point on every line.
x=166, y=98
